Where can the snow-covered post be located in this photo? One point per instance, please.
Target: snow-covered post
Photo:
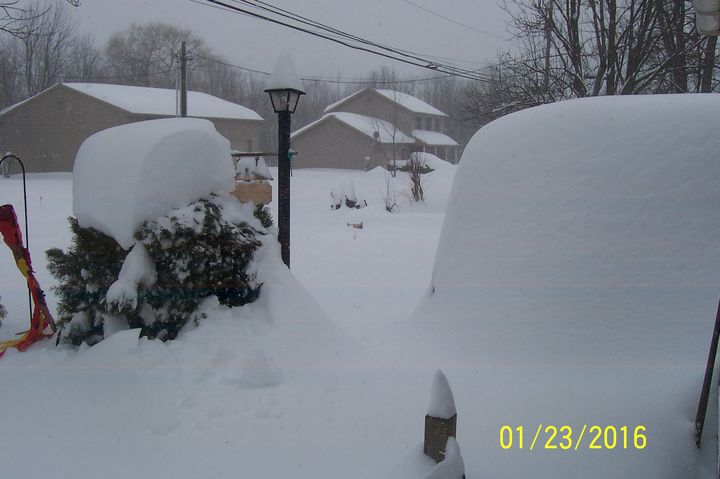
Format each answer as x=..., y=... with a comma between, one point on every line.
x=453, y=466
x=285, y=90
x=441, y=418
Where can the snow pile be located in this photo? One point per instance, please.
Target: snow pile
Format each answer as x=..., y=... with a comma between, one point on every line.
x=596, y=197
x=128, y=174
x=254, y=168
x=138, y=268
x=442, y=402
x=452, y=467
x=578, y=270
x=284, y=74
x=343, y=193
x=427, y=160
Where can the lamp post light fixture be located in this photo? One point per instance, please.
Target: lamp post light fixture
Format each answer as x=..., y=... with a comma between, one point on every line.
x=284, y=89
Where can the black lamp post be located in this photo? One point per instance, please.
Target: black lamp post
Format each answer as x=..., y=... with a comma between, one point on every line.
x=285, y=90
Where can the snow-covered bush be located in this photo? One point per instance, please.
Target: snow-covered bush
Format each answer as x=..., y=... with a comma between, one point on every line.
x=84, y=274
x=177, y=260
x=262, y=213
x=344, y=194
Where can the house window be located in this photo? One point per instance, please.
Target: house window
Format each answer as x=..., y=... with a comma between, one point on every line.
x=418, y=123
x=437, y=124
x=428, y=123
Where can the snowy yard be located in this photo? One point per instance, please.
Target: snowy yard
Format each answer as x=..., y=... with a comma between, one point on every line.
x=225, y=397
x=588, y=299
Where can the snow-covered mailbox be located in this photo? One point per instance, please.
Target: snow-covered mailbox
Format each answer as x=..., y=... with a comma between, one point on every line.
x=252, y=180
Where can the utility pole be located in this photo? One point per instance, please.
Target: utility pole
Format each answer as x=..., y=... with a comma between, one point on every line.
x=183, y=80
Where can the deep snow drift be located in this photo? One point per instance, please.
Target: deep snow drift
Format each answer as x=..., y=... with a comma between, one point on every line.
x=272, y=389
x=579, y=265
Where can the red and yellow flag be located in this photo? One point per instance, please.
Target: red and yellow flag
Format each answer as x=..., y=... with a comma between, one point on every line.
x=41, y=319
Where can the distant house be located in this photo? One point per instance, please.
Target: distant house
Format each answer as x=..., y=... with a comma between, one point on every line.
x=46, y=130
x=370, y=128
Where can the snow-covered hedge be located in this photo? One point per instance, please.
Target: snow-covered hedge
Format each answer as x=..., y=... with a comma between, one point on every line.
x=133, y=173
x=177, y=260
x=150, y=238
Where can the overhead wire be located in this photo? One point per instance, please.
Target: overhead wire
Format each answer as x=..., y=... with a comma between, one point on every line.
x=332, y=34
x=266, y=6
x=320, y=79
x=451, y=20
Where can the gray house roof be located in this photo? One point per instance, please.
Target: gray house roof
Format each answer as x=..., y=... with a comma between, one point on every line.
x=408, y=102
x=157, y=101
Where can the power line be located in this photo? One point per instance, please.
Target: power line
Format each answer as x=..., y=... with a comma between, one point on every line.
x=420, y=62
x=231, y=65
x=297, y=17
x=451, y=20
x=319, y=79
x=306, y=21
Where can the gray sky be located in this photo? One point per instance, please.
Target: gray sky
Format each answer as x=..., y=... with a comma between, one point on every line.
x=256, y=44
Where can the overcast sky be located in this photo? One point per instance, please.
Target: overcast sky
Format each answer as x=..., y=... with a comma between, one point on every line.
x=256, y=44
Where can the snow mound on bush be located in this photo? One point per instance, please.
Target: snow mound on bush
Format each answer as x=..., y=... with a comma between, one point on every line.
x=578, y=272
x=128, y=174
x=613, y=197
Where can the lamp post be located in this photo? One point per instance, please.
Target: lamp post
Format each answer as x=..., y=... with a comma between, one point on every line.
x=284, y=89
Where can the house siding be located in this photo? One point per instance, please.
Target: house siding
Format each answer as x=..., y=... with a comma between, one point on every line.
x=333, y=144
x=47, y=130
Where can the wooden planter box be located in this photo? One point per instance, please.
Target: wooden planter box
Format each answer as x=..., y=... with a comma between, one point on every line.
x=254, y=191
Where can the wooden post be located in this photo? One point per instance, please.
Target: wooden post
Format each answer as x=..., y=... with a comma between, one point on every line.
x=437, y=432
x=441, y=418
x=183, y=80
x=705, y=394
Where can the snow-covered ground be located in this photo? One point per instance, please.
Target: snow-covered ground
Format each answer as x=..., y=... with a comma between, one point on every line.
x=329, y=373
x=272, y=389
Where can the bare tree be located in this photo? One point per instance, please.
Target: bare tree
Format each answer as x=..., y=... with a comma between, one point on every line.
x=578, y=48
x=44, y=53
x=146, y=55
x=85, y=62
x=16, y=16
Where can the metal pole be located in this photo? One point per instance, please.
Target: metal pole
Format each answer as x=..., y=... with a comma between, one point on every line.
x=705, y=395
x=183, y=80
x=27, y=236
x=284, y=185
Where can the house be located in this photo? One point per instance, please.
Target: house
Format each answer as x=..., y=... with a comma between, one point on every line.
x=46, y=130
x=372, y=127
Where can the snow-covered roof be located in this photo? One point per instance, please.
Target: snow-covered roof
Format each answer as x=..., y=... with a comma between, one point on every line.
x=409, y=102
x=366, y=125
x=162, y=101
x=332, y=106
x=434, y=138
